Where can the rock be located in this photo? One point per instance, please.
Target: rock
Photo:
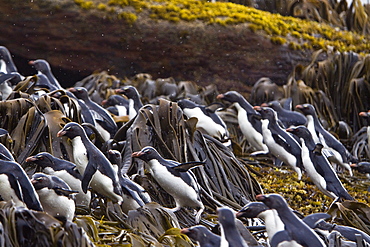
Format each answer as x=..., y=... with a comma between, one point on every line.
x=82, y=41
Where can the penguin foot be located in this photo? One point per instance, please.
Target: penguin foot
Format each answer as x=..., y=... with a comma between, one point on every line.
x=198, y=215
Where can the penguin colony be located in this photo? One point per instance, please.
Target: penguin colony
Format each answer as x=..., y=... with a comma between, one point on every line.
x=93, y=162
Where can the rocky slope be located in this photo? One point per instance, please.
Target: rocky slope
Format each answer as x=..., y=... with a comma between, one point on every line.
x=77, y=42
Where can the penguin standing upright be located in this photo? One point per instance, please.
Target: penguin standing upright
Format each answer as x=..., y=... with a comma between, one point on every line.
x=15, y=185
x=7, y=65
x=318, y=167
x=134, y=100
x=296, y=232
x=95, y=168
x=65, y=170
x=117, y=102
x=55, y=195
x=340, y=155
x=43, y=67
x=202, y=235
x=366, y=116
x=208, y=120
x=5, y=88
x=105, y=122
x=270, y=216
x=279, y=142
x=134, y=195
x=346, y=231
x=287, y=117
x=249, y=124
x=230, y=235
x=174, y=179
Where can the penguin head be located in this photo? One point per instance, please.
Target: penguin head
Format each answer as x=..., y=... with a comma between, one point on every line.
x=71, y=130
x=113, y=100
x=114, y=156
x=197, y=233
x=79, y=92
x=42, y=159
x=273, y=201
x=185, y=103
x=300, y=131
x=226, y=217
x=41, y=180
x=129, y=91
x=362, y=167
x=40, y=65
x=272, y=104
x=231, y=96
x=364, y=114
x=366, y=117
x=146, y=154
x=306, y=109
x=266, y=113
x=252, y=210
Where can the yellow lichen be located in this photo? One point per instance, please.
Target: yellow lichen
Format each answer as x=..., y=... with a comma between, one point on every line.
x=300, y=34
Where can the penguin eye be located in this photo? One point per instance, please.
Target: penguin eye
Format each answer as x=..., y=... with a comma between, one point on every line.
x=41, y=158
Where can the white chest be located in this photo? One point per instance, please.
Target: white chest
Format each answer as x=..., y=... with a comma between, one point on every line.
x=205, y=122
x=310, y=168
x=7, y=192
x=131, y=112
x=122, y=111
x=183, y=194
x=79, y=154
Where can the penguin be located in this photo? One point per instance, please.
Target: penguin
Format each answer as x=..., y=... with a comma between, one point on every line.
x=15, y=185
x=55, y=195
x=296, y=232
x=208, y=120
x=105, y=123
x=318, y=167
x=362, y=167
x=134, y=196
x=95, y=168
x=174, y=178
x=5, y=88
x=134, y=100
x=230, y=235
x=287, y=117
x=43, y=67
x=203, y=236
x=346, y=231
x=119, y=103
x=43, y=82
x=250, y=126
x=7, y=65
x=5, y=154
x=65, y=170
x=271, y=218
x=340, y=155
x=280, y=143
x=366, y=116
